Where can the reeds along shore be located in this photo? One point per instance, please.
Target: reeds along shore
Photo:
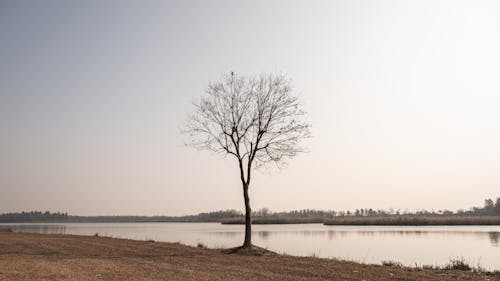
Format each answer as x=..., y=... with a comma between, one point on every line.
x=404, y=220
x=394, y=220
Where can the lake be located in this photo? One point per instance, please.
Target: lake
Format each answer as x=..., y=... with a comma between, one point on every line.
x=410, y=245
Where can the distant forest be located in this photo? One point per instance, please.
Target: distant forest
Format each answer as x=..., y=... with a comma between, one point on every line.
x=490, y=208
x=36, y=216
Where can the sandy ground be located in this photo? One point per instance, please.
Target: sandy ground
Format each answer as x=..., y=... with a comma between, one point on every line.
x=69, y=257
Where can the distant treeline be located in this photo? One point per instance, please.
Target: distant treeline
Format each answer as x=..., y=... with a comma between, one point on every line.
x=36, y=216
x=487, y=215
x=490, y=208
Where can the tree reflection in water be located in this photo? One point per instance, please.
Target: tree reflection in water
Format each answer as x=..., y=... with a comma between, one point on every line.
x=40, y=228
x=494, y=237
x=265, y=235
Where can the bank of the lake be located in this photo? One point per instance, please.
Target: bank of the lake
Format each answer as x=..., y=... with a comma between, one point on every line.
x=415, y=220
x=382, y=220
x=26, y=256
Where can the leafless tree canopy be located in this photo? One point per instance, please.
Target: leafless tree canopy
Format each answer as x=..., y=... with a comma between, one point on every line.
x=257, y=119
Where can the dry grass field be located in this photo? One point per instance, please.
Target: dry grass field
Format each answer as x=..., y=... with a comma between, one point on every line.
x=68, y=257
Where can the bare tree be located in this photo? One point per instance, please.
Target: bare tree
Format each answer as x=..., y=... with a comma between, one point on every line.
x=258, y=120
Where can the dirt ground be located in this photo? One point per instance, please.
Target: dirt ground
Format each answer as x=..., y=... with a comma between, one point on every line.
x=69, y=257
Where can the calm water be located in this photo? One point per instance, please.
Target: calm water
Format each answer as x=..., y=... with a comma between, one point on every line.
x=370, y=244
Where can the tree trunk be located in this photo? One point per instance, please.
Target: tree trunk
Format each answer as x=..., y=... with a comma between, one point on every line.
x=248, y=218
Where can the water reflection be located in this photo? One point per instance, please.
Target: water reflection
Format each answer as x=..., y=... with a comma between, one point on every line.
x=227, y=234
x=265, y=235
x=494, y=237
x=40, y=228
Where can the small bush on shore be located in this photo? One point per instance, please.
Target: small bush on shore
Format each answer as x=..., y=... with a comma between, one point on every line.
x=392, y=263
x=7, y=229
x=458, y=264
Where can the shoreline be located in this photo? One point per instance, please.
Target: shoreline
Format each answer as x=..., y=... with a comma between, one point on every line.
x=347, y=220
x=26, y=256
x=381, y=221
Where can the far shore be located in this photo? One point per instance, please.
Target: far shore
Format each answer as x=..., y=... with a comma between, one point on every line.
x=339, y=220
x=25, y=256
x=392, y=220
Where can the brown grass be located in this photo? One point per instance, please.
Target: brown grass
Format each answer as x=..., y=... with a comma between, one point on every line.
x=409, y=220
x=69, y=257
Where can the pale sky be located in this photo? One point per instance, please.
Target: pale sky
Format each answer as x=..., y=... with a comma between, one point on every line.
x=403, y=98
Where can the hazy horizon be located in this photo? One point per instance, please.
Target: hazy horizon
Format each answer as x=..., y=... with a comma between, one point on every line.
x=403, y=98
